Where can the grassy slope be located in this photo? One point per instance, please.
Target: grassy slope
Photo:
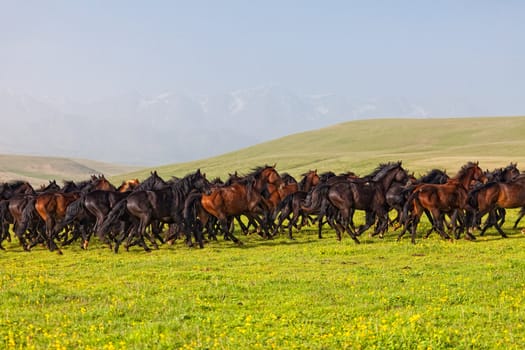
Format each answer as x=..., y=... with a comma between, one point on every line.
x=361, y=145
x=38, y=170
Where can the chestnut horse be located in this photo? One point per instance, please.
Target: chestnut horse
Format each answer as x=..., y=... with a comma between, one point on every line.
x=441, y=199
x=243, y=197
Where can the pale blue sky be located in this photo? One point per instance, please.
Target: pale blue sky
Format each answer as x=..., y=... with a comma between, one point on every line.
x=91, y=49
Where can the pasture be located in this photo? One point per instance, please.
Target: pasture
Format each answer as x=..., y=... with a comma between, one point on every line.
x=305, y=293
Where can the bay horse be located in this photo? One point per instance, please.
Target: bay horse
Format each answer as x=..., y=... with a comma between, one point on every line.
x=243, y=197
x=128, y=185
x=440, y=199
x=491, y=196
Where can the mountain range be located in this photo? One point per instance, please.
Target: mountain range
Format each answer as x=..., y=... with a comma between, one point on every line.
x=176, y=127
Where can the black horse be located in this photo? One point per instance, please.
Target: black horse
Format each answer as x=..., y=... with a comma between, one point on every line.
x=143, y=207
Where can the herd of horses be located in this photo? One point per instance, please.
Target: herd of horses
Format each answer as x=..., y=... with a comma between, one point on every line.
x=193, y=208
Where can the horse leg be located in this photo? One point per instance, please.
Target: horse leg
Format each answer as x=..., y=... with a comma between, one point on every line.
x=227, y=233
x=413, y=230
x=521, y=215
x=320, y=225
x=141, y=232
x=369, y=221
x=21, y=238
x=498, y=227
x=51, y=241
x=439, y=220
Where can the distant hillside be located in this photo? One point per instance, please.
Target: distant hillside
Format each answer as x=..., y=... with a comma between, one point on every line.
x=39, y=170
x=422, y=144
x=174, y=127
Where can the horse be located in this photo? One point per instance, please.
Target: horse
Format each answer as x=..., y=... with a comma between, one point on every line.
x=440, y=199
x=145, y=206
x=243, y=197
x=52, y=186
x=290, y=206
x=348, y=193
x=12, y=202
x=128, y=185
x=490, y=197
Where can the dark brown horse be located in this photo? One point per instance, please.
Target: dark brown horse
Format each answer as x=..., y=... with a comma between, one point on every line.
x=290, y=206
x=340, y=196
x=14, y=196
x=440, y=199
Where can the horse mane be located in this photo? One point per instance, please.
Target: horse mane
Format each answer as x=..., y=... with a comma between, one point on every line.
x=382, y=169
x=184, y=186
x=465, y=168
x=432, y=175
x=256, y=172
x=148, y=184
x=15, y=184
x=326, y=175
x=287, y=178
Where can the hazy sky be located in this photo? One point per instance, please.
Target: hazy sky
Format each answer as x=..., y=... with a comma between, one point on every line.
x=89, y=49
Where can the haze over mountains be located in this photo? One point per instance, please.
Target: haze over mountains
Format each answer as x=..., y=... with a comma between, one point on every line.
x=174, y=127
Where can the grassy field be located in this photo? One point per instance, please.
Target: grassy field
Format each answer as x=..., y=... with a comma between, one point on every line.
x=359, y=146
x=304, y=294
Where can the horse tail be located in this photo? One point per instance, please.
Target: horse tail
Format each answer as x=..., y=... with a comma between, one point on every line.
x=191, y=206
x=409, y=205
x=314, y=199
x=285, y=203
x=72, y=211
x=5, y=218
x=28, y=215
x=116, y=213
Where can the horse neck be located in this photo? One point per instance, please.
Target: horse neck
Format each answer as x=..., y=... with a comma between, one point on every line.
x=307, y=182
x=465, y=179
x=388, y=179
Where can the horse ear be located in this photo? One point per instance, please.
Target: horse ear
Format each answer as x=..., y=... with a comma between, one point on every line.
x=198, y=172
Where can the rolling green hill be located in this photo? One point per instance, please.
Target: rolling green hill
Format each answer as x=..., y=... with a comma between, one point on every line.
x=38, y=170
x=359, y=146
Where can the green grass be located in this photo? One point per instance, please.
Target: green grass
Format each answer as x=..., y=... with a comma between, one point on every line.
x=305, y=294
x=359, y=146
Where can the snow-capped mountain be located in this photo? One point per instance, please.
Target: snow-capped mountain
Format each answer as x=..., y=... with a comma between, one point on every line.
x=170, y=127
